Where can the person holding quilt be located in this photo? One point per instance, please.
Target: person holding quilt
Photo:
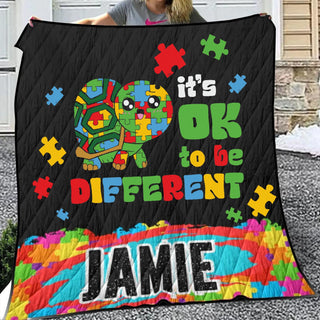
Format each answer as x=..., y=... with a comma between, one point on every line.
x=145, y=12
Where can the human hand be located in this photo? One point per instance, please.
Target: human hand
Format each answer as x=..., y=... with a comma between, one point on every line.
x=265, y=14
x=32, y=18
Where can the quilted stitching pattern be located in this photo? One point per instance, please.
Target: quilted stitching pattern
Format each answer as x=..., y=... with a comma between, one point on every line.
x=67, y=57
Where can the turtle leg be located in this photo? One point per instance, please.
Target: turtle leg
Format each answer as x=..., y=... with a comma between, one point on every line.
x=91, y=165
x=141, y=159
x=120, y=160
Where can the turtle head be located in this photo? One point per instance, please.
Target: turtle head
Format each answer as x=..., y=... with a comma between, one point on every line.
x=143, y=109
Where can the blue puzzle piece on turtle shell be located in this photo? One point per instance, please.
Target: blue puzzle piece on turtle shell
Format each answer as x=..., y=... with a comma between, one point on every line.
x=109, y=144
x=94, y=93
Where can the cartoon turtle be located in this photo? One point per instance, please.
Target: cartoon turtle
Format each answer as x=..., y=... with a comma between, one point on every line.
x=113, y=122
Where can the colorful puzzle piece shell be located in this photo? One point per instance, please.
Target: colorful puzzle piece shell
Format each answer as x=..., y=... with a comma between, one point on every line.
x=111, y=120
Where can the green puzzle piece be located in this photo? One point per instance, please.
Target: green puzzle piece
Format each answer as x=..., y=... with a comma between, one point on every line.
x=74, y=234
x=23, y=272
x=211, y=46
x=269, y=225
x=94, y=84
x=283, y=270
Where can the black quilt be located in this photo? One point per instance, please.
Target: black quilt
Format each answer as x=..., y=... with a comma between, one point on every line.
x=146, y=168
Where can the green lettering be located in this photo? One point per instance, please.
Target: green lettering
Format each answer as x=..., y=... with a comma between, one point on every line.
x=130, y=188
x=194, y=121
x=151, y=188
x=235, y=157
x=223, y=121
x=234, y=179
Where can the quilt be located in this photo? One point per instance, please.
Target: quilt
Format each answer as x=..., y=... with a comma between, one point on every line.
x=146, y=168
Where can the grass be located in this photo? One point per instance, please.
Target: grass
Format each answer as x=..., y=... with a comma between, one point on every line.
x=7, y=253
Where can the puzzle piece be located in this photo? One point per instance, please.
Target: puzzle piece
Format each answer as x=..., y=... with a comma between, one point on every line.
x=97, y=126
x=269, y=255
x=265, y=196
x=107, y=116
x=81, y=101
x=63, y=215
x=146, y=109
x=129, y=138
x=143, y=131
x=42, y=186
x=121, y=157
x=270, y=225
x=211, y=46
x=168, y=109
x=54, y=97
x=93, y=84
x=108, y=144
x=283, y=270
x=49, y=146
x=275, y=238
x=238, y=85
x=235, y=215
x=168, y=58
x=156, y=127
x=157, y=114
x=137, y=228
x=161, y=92
x=139, y=92
x=96, y=117
x=272, y=289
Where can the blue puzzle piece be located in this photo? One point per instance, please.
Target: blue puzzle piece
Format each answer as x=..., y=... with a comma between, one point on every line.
x=96, y=162
x=121, y=232
x=155, y=126
x=109, y=144
x=54, y=97
x=137, y=228
x=93, y=92
x=79, y=128
x=63, y=215
x=237, y=85
x=270, y=290
x=139, y=92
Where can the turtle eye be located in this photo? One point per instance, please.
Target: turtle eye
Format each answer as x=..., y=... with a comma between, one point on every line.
x=154, y=102
x=128, y=104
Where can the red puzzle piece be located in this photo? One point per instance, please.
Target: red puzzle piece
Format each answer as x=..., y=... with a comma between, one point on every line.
x=168, y=109
x=95, y=117
x=145, y=107
x=42, y=186
x=117, y=158
x=159, y=133
x=129, y=138
x=168, y=58
x=126, y=86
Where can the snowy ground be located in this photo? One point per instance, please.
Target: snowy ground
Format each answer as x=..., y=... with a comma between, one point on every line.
x=305, y=140
x=4, y=297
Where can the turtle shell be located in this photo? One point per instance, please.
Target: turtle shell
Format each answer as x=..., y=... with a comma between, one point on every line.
x=96, y=125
